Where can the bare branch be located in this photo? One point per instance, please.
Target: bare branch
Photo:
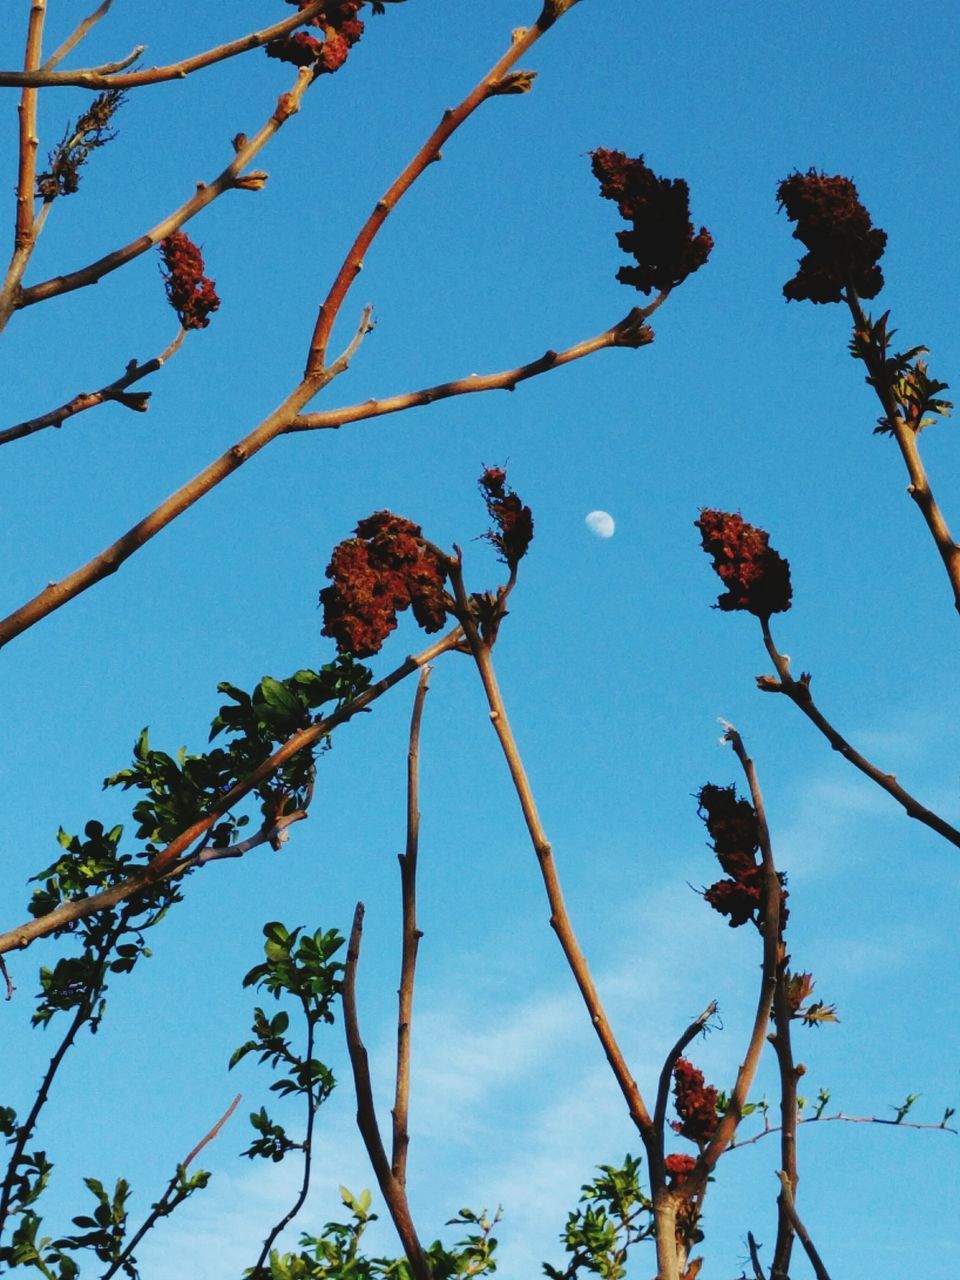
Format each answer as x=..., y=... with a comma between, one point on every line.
x=802, y=1234
x=451, y=120
x=798, y=691
x=943, y=1127
x=391, y=1188
x=231, y=178
x=631, y=331
x=170, y=860
x=100, y=77
x=559, y=918
x=113, y=391
x=79, y=32
x=411, y=937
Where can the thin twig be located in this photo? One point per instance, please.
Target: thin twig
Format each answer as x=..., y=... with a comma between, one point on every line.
x=802, y=1234
x=161, y=1208
x=663, y=1086
x=839, y=1115
x=789, y=1077
x=77, y=34
x=559, y=918
x=755, y=1257
x=57, y=594
x=168, y=861
x=798, y=691
x=231, y=178
x=391, y=1188
x=906, y=437
x=312, y=1105
x=411, y=937
x=100, y=77
x=451, y=120
x=8, y=981
x=623, y=334
x=113, y=391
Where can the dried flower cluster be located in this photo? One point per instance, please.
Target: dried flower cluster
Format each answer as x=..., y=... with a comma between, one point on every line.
x=756, y=578
x=661, y=237
x=679, y=1169
x=341, y=30
x=514, y=522
x=735, y=833
x=843, y=245
x=192, y=294
x=696, y=1104
x=91, y=131
x=385, y=568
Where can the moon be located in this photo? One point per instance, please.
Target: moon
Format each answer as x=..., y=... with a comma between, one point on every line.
x=601, y=523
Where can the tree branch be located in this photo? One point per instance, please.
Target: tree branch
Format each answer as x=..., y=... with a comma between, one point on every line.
x=798, y=691
x=57, y=594
x=90, y=399
x=81, y=30
x=943, y=1127
x=168, y=861
x=663, y=1087
x=559, y=918
x=391, y=1188
x=631, y=331
x=451, y=120
x=231, y=178
x=411, y=937
x=802, y=1234
x=100, y=77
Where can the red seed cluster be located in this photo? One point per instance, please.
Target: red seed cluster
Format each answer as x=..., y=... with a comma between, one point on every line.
x=514, y=522
x=341, y=30
x=734, y=831
x=678, y=1169
x=843, y=245
x=661, y=237
x=696, y=1103
x=192, y=294
x=385, y=568
x=756, y=578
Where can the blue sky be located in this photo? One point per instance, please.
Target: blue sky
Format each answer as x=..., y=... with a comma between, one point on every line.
x=614, y=667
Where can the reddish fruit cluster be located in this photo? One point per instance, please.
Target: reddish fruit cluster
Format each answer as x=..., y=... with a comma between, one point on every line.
x=696, y=1103
x=386, y=568
x=661, y=238
x=514, y=522
x=757, y=579
x=843, y=245
x=341, y=30
x=192, y=294
x=679, y=1169
x=732, y=824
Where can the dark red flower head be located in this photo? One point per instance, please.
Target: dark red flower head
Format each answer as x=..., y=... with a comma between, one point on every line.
x=514, y=522
x=735, y=833
x=385, y=568
x=843, y=245
x=696, y=1103
x=192, y=294
x=661, y=237
x=679, y=1169
x=756, y=578
x=341, y=30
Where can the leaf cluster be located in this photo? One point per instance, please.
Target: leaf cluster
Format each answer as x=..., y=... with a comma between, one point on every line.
x=902, y=376
x=614, y=1215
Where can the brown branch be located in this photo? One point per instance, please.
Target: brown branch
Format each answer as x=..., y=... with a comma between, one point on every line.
x=99, y=77
x=663, y=1087
x=839, y=1115
x=631, y=331
x=772, y=895
x=231, y=178
x=802, y=1234
x=113, y=391
x=798, y=691
x=7, y=980
x=169, y=860
x=755, y=1257
x=452, y=119
x=919, y=488
x=789, y=1076
x=392, y=1188
x=26, y=229
x=80, y=31
x=411, y=937
x=57, y=594
x=164, y=1206
x=559, y=918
